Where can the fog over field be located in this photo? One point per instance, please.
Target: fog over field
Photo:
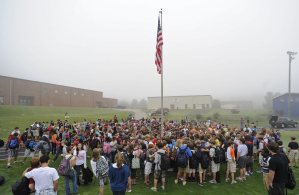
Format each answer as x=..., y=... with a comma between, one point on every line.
x=232, y=50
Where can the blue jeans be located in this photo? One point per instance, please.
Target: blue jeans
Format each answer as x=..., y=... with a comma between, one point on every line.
x=71, y=176
x=78, y=168
x=59, y=151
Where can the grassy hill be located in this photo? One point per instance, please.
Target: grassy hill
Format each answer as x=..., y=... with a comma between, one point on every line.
x=24, y=116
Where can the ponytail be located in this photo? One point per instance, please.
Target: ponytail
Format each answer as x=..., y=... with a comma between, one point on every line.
x=119, y=157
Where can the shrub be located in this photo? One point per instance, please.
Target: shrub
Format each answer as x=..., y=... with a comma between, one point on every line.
x=209, y=118
x=247, y=118
x=216, y=115
x=198, y=116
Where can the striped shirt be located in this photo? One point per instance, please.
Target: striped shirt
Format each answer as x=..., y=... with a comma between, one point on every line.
x=266, y=165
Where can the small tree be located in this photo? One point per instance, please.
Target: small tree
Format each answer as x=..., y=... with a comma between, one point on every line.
x=209, y=118
x=143, y=103
x=216, y=104
x=216, y=115
x=134, y=103
x=198, y=116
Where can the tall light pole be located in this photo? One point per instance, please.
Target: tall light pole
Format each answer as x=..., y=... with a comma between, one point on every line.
x=291, y=54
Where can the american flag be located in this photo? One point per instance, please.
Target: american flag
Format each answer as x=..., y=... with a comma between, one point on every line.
x=158, y=60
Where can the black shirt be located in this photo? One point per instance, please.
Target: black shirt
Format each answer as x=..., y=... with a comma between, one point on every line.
x=279, y=163
x=293, y=145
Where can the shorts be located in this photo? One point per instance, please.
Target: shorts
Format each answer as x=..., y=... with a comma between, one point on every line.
x=35, y=132
x=45, y=192
x=215, y=167
x=13, y=152
x=201, y=170
x=254, y=149
x=101, y=181
x=278, y=188
x=231, y=166
x=148, y=168
x=192, y=170
x=293, y=154
x=184, y=170
x=159, y=173
x=266, y=181
x=242, y=162
x=28, y=153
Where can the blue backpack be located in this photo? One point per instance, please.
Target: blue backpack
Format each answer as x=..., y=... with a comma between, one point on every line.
x=170, y=148
x=32, y=145
x=13, y=143
x=182, y=158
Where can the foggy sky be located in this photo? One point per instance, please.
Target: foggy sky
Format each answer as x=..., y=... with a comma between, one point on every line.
x=227, y=49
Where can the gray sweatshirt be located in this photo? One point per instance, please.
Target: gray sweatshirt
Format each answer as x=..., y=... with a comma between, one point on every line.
x=158, y=159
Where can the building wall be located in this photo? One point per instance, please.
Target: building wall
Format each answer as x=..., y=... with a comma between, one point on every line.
x=281, y=103
x=43, y=94
x=179, y=102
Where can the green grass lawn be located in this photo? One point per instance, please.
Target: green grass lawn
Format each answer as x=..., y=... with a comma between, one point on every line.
x=253, y=185
x=226, y=116
x=24, y=116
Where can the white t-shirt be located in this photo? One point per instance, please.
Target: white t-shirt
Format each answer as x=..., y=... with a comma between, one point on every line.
x=16, y=131
x=43, y=177
x=81, y=158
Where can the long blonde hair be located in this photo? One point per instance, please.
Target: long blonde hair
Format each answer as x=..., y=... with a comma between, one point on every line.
x=95, y=155
x=119, y=158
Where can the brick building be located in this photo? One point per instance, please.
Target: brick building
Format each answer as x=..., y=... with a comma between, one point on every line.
x=14, y=91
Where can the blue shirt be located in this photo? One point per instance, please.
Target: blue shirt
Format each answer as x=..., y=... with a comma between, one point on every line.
x=118, y=177
x=188, y=151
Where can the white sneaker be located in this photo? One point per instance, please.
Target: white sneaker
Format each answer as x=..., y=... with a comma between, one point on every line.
x=163, y=187
x=246, y=173
x=22, y=161
x=239, y=179
x=181, y=179
x=16, y=162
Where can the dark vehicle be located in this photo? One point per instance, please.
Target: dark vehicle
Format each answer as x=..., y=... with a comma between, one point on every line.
x=118, y=107
x=234, y=111
x=158, y=112
x=282, y=122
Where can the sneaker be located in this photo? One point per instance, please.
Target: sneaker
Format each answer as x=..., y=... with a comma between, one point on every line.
x=199, y=183
x=260, y=171
x=22, y=161
x=163, y=187
x=233, y=182
x=184, y=183
x=176, y=181
x=131, y=190
x=203, y=181
x=193, y=181
x=53, y=160
x=181, y=179
x=189, y=181
x=226, y=180
x=8, y=166
x=251, y=172
x=16, y=162
x=295, y=166
x=154, y=189
x=246, y=173
x=212, y=181
x=244, y=179
x=239, y=179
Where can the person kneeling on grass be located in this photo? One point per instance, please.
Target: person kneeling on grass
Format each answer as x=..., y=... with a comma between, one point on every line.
x=231, y=162
x=158, y=172
x=119, y=174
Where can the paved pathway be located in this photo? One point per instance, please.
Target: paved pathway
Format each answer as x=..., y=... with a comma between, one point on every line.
x=138, y=113
x=3, y=153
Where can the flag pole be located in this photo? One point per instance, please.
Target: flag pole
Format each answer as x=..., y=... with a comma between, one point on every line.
x=162, y=109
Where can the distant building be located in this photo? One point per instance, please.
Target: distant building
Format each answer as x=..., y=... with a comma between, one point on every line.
x=240, y=105
x=181, y=102
x=281, y=105
x=23, y=92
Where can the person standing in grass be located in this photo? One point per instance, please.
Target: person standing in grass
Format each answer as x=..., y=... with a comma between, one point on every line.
x=241, y=157
x=71, y=175
x=118, y=175
x=12, y=148
x=158, y=172
x=44, y=177
x=183, y=170
x=80, y=160
x=215, y=167
x=29, y=148
x=293, y=151
x=265, y=167
x=231, y=162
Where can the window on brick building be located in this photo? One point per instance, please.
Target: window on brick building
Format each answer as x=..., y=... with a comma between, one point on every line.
x=75, y=93
x=45, y=89
x=65, y=92
x=56, y=91
x=1, y=101
x=82, y=94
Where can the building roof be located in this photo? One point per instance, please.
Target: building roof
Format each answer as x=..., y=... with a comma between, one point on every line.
x=285, y=94
x=180, y=96
x=50, y=83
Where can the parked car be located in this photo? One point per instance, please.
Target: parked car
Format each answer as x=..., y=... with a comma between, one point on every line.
x=234, y=111
x=282, y=122
x=118, y=107
x=158, y=112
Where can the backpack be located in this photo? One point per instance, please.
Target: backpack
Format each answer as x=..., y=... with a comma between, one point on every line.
x=106, y=148
x=165, y=161
x=291, y=184
x=142, y=158
x=205, y=161
x=250, y=149
x=24, y=136
x=193, y=163
x=34, y=127
x=65, y=166
x=102, y=167
x=218, y=155
x=182, y=158
x=174, y=154
x=170, y=148
x=126, y=159
x=2, y=179
x=87, y=175
x=67, y=135
x=32, y=145
x=1, y=143
x=281, y=149
x=45, y=149
x=13, y=143
x=21, y=187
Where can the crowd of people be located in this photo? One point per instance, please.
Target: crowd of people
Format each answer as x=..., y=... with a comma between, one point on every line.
x=127, y=149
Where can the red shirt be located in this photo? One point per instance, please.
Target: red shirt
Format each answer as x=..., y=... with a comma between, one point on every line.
x=19, y=140
x=154, y=142
x=31, y=180
x=75, y=142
